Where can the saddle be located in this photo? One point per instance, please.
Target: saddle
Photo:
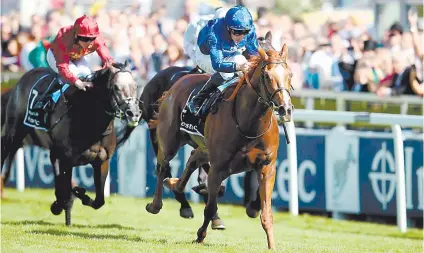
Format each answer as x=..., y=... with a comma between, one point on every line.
x=195, y=124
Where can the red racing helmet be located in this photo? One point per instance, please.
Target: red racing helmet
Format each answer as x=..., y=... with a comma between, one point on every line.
x=86, y=27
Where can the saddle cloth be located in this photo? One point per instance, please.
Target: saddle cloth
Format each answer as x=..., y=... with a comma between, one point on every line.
x=195, y=124
x=51, y=91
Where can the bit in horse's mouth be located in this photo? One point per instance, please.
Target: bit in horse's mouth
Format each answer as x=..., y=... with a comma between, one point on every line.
x=133, y=123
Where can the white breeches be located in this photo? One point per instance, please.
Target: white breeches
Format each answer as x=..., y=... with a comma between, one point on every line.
x=79, y=68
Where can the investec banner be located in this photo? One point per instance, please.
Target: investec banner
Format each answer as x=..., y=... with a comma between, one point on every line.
x=338, y=170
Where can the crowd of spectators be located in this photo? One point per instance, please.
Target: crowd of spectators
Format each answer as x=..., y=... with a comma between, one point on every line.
x=339, y=55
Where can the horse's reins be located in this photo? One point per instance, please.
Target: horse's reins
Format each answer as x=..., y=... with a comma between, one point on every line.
x=268, y=103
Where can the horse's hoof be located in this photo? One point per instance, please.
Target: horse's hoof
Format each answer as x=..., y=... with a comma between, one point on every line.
x=197, y=241
x=166, y=183
x=200, y=236
x=199, y=188
x=55, y=208
x=151, y=209
x=251, y=212
x=96, y=204
x=186, y=213
x=171, y=183
x=217, y=224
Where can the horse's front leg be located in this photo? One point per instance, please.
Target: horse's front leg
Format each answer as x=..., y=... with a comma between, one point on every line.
x=101, y=170
x=63, y=187
x=266, y=186
x=215, y=178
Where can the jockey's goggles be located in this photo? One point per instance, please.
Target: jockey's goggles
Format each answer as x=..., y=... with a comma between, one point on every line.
x=239, y=32
x=85, y=39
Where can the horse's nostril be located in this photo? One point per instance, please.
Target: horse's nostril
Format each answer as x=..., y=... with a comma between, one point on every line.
x=129, y=113
x=281, y=110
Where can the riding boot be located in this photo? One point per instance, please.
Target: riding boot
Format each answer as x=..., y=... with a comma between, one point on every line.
x=196, y=101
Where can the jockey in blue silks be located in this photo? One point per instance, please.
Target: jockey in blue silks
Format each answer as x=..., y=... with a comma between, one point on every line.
x=219, y=48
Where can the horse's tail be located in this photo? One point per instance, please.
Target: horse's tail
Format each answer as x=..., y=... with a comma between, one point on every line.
x=153, y=123
x=4, y=100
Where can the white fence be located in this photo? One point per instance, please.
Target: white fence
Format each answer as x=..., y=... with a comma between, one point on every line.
x=396, y=121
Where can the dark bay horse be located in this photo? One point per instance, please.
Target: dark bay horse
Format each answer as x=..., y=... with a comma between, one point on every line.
x=81, y=128
x=242, y=135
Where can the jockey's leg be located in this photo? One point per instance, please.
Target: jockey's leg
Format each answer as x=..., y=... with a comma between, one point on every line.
x=204, y=62
x=196, y=102
x=43, y=100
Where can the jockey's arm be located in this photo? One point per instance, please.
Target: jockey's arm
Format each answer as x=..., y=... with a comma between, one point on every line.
x=217, y=58
x=103, y=51
x=218, y=62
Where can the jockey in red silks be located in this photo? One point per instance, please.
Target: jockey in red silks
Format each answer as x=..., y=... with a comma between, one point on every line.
x=67, y=52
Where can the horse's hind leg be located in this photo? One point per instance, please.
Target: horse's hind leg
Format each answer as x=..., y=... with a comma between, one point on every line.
x=169, y=141
x=252, y=200
x=63, y=187
x=164, y=170
x=266, y=186
x=185, y=208
x=5, y=174
x=10, y=143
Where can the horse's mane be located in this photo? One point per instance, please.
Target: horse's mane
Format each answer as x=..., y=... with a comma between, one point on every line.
x=101, y=76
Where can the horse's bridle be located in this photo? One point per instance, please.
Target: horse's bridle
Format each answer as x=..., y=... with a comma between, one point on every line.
x=119, y=106
x=268, y=102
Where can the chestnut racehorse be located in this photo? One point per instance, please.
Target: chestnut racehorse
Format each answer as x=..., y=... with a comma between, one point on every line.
x=241, y=135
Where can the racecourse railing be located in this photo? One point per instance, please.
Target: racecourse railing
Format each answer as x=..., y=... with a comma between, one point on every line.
x=395, y=121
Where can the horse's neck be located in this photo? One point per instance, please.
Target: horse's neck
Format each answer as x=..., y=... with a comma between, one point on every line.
x=252, y=114
x=93, y=109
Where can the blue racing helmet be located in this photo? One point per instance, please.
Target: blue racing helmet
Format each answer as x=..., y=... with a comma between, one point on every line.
x=239, y=18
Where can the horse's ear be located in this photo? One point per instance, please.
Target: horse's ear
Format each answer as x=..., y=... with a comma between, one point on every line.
x=127, y=65
x=268, y=37
x=262, y=53
x=284, y=52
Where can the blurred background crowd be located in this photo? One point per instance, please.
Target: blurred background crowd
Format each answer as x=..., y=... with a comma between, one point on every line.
x=336, y=53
